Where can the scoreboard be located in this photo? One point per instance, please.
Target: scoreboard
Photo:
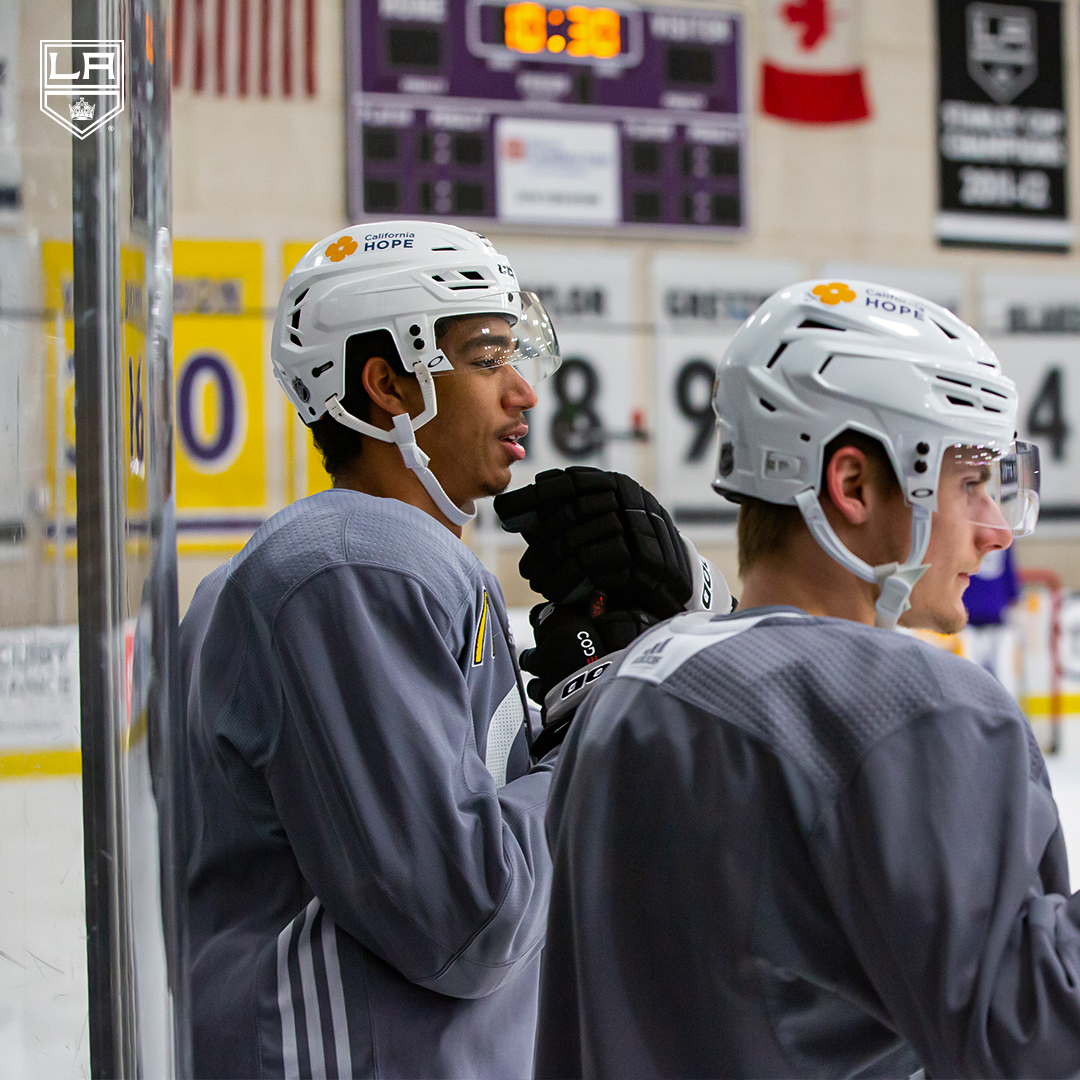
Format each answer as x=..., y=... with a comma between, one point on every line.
x=540, y=114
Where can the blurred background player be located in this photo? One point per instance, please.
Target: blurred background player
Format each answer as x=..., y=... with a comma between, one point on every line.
x=369, y=878
x=786, y=842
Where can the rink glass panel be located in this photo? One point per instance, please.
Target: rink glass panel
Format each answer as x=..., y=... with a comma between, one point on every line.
x=91, y=978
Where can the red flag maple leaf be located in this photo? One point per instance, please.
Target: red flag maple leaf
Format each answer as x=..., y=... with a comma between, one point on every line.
x=813, y=17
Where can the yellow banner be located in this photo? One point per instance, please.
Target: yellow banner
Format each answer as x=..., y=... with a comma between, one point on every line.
x=220, y=372
x=306, y=474
x=56, y=257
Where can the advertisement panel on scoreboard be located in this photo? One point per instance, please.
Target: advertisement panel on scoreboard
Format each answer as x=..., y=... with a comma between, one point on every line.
x=698, y=303
x=1033, y=324
x=535, y=113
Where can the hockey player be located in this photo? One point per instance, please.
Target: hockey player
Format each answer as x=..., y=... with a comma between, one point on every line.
x=366, y=897
x=788, y=842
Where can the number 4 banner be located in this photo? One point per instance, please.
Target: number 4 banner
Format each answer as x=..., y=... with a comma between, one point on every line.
x=699, y=301
x=1033, y=324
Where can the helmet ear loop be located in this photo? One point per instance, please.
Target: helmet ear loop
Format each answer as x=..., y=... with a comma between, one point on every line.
x=893, y=579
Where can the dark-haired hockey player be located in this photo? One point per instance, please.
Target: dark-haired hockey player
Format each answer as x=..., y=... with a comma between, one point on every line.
x=368, y=880
x=788, y=842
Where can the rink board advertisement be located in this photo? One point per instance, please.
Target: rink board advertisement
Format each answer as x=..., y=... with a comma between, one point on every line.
x=538, y=114
x=1002, y=131
x=1033, y=324
x=698, y=303
x=17, y=293
x=220, y=386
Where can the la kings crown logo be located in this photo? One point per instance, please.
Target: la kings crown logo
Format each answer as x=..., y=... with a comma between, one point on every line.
x=1002, y=49
x=82, y=83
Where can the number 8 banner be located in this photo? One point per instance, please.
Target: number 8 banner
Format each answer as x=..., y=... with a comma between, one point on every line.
x=698, y=303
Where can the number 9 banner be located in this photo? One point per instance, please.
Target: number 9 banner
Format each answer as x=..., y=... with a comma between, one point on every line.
x=698, y=303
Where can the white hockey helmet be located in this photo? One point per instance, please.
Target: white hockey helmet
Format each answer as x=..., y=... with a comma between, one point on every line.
x=402, y=277
x=823, y=357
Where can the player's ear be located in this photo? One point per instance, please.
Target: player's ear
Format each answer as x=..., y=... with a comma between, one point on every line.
x=848, y=484
x=386, y=388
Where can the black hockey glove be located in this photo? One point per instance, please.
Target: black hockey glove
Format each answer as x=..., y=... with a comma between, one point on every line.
x=574, y=646
x=593, y=530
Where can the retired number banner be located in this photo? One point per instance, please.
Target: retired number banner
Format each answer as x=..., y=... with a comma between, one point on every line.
x=1002, y=133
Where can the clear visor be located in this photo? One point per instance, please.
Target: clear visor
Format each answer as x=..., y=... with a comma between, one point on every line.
x=530, y=345
x=1002, y=490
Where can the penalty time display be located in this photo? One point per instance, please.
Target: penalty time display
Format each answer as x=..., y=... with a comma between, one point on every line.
x=539, y=114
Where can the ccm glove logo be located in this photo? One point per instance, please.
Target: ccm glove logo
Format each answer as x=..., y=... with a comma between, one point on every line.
x=706, y=586
x=586, y=643
x=583, y=680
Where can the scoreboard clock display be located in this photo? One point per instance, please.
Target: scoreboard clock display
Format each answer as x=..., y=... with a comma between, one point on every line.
x=543, y=114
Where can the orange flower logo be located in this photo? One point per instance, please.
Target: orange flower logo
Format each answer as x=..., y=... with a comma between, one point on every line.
x=346, y=246
x=836, y=292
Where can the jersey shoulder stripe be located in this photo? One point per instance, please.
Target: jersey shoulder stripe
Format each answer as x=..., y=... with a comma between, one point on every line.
x=657, y=655
x=481, y=629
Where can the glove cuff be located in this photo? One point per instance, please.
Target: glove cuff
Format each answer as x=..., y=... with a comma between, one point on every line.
x=711, y=592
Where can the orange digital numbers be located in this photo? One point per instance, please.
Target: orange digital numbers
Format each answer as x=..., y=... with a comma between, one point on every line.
x=588, y=31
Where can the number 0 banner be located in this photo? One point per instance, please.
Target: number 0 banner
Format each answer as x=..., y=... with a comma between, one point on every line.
x=1033, y=324
x=699, y=301
x=220, y=372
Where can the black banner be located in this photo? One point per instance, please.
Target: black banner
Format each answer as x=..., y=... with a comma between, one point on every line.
x=1002, y=132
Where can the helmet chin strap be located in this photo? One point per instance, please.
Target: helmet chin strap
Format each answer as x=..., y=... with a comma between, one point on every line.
x=895, y=580
x=404, y=434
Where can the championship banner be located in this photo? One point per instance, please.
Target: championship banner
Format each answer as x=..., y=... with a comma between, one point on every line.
x=220, y=379
x=1002, y=131
x=305, y=474
x=1033, y=323
x=813, y=70
x=698, y=303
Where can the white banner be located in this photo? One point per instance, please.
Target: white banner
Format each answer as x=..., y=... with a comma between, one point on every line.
x=586, y=412
x=1033, y=324
x=698, y=302
x=19, y=278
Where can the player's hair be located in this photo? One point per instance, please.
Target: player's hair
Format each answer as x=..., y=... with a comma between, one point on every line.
x=337, y=443
x=764, y=528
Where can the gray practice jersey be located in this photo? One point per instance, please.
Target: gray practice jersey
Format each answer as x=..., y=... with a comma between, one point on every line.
x=793, y=846
x=367, y=893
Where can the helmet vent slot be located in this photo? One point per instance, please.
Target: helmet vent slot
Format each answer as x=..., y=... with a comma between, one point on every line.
x=295, y=319
x=813, y=324
x=948, y=333
x=766, y=405
x=990, y=408
x=459, y=288
x=437, y=277
x=955, y=382
x=444, y=249
x=316, y=372
x=953, y=400
x=828, y=361
x=472, y=275
x=995, y=393
x=776, y=355
x=295, y=340
x=300, y=297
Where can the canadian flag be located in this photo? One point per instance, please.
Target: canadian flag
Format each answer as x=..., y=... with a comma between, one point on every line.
x=812, y=69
